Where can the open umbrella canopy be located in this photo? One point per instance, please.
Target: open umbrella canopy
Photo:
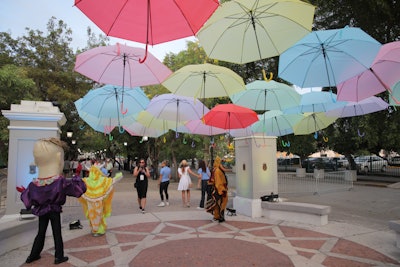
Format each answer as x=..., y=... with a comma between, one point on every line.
x=148, y=22
x=275, y=123
x=363, y=107
x=204, y=81
x=312, y=122
x=242, y=31
x=119, y=65
x=316, y=102
x=106, y=102
x=152, y=122
x=394, y=96
x=267, y=95
x=230, y=116
x=328, y=57
x=176, y=108
x=381, y=76
x=198, y=127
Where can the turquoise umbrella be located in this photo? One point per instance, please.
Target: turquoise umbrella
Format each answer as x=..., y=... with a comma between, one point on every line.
x=275, y=123
x=316, y=102
x=267, y=95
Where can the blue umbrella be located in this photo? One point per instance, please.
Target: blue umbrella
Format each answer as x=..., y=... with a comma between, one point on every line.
x=328, y=57
x=316, y=102
x=275, y=123
x=106, y=102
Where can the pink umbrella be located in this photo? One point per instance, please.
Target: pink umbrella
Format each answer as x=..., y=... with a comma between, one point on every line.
x=198, y=127
x=119, y=65
x=383, y=74
x=148, y=22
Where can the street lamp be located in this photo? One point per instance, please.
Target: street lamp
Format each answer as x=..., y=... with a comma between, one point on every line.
x=69, y=133
x=73, y=142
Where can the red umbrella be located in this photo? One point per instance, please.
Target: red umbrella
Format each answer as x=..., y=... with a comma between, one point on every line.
x=230, y=116
x=149, y=22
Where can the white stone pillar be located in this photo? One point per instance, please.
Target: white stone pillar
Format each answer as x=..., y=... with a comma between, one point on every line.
x=256, y=173
x=29, y=121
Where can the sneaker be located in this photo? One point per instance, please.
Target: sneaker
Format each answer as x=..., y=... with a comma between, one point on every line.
x=162, y=204
x=188, y=205
x=167, y=203
x=32, y=259
x=60, y=260
x=143, y=211
x=200, y=208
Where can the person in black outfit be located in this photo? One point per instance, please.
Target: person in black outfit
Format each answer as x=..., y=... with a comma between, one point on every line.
x=142, y=174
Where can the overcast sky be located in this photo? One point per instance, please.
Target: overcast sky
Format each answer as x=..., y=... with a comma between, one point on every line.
x=16, y=15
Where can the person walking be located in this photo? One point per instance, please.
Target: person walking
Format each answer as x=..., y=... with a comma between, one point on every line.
x=185, y=182
x=46, y=194
x=142, y=174
x=163, y=182
x=204, y=176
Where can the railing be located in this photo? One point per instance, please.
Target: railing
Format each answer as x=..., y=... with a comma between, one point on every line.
x=313, y=183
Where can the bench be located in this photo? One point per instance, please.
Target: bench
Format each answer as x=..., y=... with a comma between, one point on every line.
x=296, y=212
x=395, y=226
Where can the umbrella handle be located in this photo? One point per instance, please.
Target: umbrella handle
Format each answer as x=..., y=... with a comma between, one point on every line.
x=193, y=144
x=360, y=134
x=326, y=139
x=81, y=127
x=316, y=135
x=176, y=135
x=110, y=137
x=141, y=61
x=123, y=112
x=271, y=75
x=164, y=140
x=184, y=141
x=121, y=129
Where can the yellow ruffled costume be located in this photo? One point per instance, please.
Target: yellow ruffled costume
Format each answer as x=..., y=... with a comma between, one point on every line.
x=96, y=202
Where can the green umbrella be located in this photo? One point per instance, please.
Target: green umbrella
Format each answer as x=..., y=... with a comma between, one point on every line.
x=312, y=122
x=242, y=31
x=204, y=81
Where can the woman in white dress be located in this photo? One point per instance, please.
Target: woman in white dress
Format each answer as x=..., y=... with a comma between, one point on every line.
x=185, y=182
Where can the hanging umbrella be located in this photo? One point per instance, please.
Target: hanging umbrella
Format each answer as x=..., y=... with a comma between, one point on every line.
x=242, y=31
x=119, y=65
x=394, y=96
x=204, y=81
x=363, y=107
x=105, y=102
x=138, y=129
x=176, y=108
x=312, y=122
x=230, y=116
x=198, y=127
x=383, y=74
x=316, y=102
x=275, y=123
x=103, y=125
x=148, y=22
x=149, y=121
x=267, y=95
x=328, y=57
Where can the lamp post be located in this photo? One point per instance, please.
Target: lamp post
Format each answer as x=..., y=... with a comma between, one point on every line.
x=69, y=133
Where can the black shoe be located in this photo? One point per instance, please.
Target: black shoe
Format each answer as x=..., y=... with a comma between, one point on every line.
x=32, y=259
x=61, y=260
x=221, y=220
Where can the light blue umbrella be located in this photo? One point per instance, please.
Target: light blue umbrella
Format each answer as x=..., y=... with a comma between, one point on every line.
x=328, y=57
x=103, y=124
x=316, y=102
x=363, y=107
x=106, y=102
x=267, y=95
x=275, y=123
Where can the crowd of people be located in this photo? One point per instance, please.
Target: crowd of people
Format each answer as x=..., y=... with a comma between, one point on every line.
x=92, y=183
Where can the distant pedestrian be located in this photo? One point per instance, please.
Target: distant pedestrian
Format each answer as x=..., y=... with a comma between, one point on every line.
x=142, y=175
x=185, y=182
x=165, y=176
x=204, y=176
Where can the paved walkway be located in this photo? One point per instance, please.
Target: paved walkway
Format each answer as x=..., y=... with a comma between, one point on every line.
x=178, y=236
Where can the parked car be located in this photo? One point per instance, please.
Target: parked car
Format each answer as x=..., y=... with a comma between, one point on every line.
x=319, y=163
x=371, y=163
x=394, y=160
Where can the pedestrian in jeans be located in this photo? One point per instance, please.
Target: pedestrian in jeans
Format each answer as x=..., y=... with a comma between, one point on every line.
x=204, y=175
x=163, y=182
